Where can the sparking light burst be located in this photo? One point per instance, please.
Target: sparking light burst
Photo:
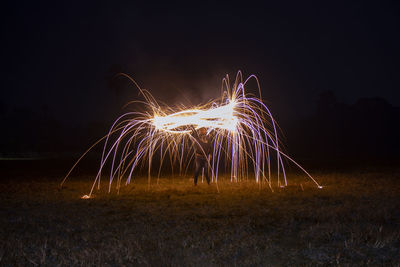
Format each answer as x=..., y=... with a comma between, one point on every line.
x=243, y=131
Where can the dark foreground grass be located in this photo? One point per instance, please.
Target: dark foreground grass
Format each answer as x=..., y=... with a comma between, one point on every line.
x=354, y=219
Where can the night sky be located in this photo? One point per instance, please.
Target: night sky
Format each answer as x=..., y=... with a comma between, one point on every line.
x=59, y=57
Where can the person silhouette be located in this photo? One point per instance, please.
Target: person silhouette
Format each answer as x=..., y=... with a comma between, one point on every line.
x=202, y=148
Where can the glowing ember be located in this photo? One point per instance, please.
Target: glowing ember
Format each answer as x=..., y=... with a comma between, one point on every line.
x=243, y=131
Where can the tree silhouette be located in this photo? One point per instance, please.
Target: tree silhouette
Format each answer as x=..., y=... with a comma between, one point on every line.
x=114, y=82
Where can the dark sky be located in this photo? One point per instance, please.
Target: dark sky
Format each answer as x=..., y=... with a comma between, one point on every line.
x=59, y=55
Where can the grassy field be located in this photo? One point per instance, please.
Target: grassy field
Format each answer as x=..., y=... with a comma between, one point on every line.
x=354, y=219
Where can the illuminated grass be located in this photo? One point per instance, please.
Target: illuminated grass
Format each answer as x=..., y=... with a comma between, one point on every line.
x=353, y=220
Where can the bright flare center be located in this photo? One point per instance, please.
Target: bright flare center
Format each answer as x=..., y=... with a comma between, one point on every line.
x=221, y=117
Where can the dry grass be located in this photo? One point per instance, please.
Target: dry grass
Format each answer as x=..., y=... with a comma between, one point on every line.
x=355, y=219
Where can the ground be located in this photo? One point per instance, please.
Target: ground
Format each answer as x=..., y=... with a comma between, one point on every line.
x=354, y=220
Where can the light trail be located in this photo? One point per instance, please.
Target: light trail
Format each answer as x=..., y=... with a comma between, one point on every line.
x=243, y=131
x=214, y=118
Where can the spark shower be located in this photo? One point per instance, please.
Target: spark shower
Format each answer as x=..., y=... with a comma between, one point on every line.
x=243, y=132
